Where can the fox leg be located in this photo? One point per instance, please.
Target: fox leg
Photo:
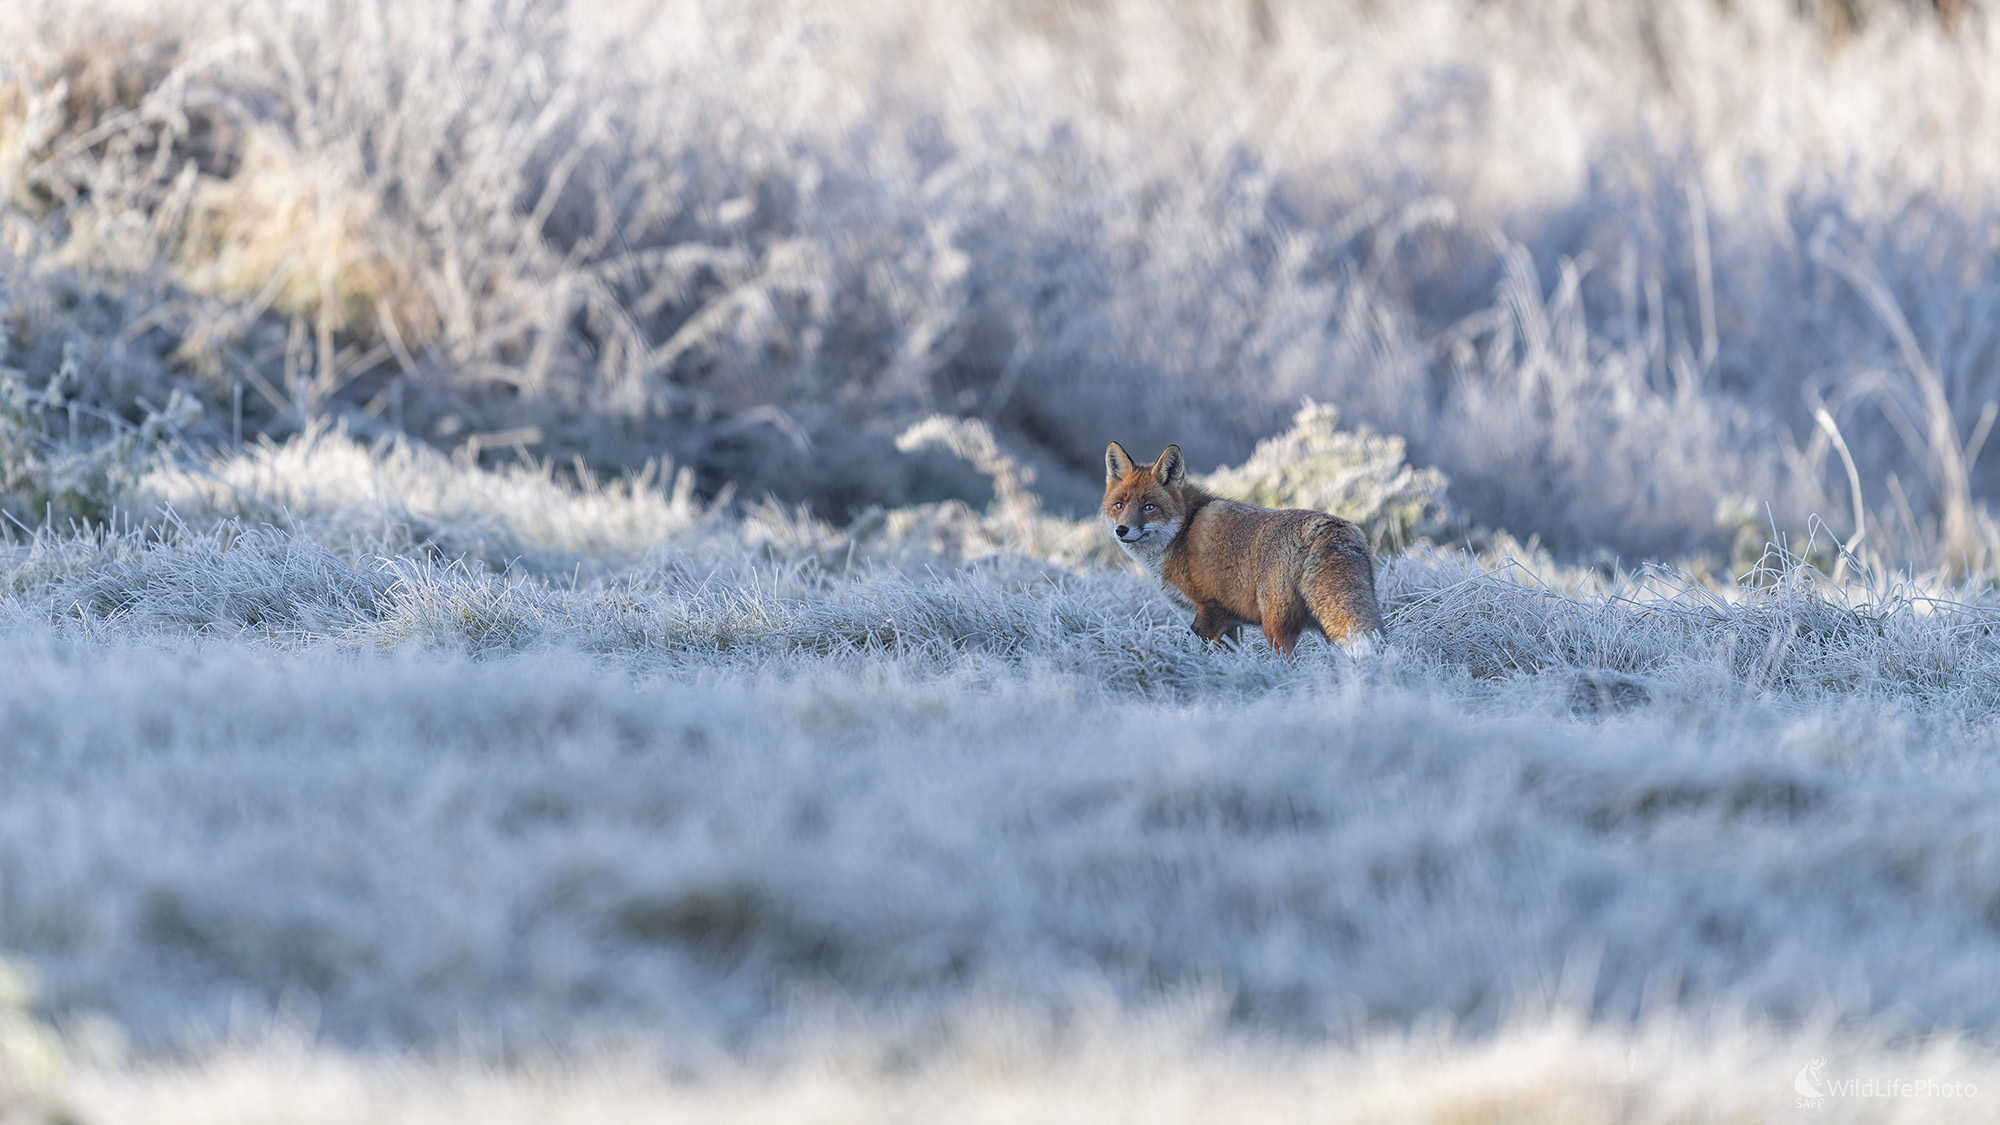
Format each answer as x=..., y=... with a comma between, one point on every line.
x=1282, y=625
x=1214, y=624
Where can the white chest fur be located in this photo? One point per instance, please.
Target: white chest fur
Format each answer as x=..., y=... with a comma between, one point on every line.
x=1150, y=552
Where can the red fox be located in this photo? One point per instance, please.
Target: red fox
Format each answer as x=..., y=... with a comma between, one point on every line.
x=1233, y=563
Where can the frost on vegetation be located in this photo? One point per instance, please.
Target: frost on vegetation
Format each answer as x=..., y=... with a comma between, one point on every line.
x=62, y=460
x=1355, y=474
x=1014, y=521
x=1600, y=645
x=426, y=795
x=426, y=842
x=225, y=580
x=1477, y=629
x=397, y=496
x=643, y=231
x=449, y=750
x=1008, y=1067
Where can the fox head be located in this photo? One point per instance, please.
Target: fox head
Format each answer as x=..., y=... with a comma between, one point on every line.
x=1143, y=505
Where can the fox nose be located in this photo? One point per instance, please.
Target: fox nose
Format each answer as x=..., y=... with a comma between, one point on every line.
x=1122, y=529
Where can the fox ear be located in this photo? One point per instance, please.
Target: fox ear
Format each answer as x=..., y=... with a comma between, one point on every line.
x=1171, y=468
x=1117, y=463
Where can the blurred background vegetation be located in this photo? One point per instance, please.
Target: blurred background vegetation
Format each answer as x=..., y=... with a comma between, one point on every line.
x=1640, y=279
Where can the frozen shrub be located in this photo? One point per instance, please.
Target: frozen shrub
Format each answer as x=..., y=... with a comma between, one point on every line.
x=1014, y=521
x=1355, y=474
x=86, y=474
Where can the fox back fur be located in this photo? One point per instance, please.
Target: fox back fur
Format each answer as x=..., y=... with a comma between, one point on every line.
x=1232, y=563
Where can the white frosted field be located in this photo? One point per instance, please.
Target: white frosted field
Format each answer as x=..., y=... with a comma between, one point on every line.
x=291, y=813
x=548, y=566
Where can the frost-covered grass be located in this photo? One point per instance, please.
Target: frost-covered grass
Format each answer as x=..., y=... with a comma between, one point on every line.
x=1010, y=1069
x=744, y=817
x=414, y=703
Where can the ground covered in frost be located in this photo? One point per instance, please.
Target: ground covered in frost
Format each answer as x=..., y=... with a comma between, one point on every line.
x=259, y=780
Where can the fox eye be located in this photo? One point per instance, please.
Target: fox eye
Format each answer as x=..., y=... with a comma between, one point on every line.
x=1119, y=506
x=1150, y=507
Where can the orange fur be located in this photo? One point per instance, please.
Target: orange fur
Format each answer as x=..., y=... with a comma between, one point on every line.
x=1233, y=563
